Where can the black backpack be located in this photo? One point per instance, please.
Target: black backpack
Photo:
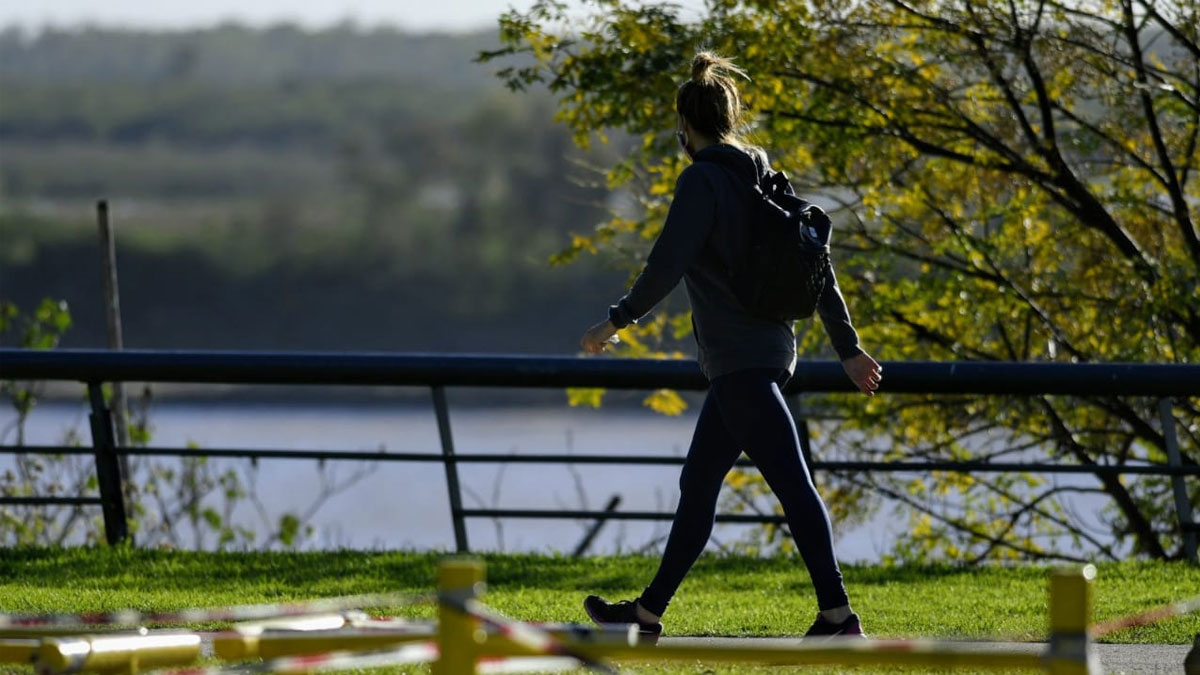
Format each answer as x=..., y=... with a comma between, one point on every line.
x=787, y=258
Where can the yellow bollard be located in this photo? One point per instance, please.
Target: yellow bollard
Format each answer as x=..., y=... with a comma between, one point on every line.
x=1071, y=651
x=117, y=654
x=18, y=651
x=458, y=635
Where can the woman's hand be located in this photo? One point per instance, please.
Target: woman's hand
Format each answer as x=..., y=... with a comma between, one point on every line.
x=864, y=372
x=599, y=336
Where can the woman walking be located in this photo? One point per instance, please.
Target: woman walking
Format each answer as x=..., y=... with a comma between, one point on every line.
x=746, y=359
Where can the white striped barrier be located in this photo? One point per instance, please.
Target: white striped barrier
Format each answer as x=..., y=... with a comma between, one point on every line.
x=198, y=615
x=1171, y=611
x=421, y=652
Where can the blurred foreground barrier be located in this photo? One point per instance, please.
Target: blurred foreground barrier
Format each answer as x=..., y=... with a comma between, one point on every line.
x=1155, y=615
x=468, y=638
x=278, y=610
x=116, y=653
x=462, y=644
x=438, y=371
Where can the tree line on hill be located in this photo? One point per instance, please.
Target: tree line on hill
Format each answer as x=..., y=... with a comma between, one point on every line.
x=287, y=182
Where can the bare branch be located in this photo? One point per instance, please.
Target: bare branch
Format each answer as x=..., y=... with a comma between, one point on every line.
x=1109, y=140
x=950, y=344
x=1142, y=529
x=960, y=526
x=1033, y=506
x=1172, y=29
x=1182, y=216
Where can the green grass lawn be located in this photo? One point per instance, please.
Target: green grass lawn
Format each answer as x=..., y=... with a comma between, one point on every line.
x=722, y=596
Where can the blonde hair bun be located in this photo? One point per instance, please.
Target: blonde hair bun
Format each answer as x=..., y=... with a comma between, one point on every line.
x=710, y=101
x=706, y=65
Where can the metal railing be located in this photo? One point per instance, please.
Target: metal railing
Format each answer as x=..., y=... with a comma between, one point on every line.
x=438, y=371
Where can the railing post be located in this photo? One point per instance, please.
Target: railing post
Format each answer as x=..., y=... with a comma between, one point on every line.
x=456, y=509
x=793, y=404
x=805, y=441
x=1182, y=506
x=108, y=469
x=112, y=311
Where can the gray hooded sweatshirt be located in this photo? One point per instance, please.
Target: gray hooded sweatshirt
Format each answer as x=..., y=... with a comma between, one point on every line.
x=702, y=236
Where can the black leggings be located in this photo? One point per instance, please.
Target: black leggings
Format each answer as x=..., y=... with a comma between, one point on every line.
x=745, y=411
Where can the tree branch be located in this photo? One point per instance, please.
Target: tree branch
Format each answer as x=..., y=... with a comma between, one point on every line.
x=1183, y=219
x=1143, y=531
x=962, y=527
x=1171, y=29
x=1109, y=140
x=1033, y=305
x=953, y=346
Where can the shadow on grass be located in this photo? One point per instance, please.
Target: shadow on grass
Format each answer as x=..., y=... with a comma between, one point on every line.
x=299, y=574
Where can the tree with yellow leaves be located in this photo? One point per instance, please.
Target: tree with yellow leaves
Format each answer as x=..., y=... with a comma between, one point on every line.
x=1012, y=180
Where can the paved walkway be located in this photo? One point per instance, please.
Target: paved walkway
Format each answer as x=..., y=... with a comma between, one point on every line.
x=1115, y=658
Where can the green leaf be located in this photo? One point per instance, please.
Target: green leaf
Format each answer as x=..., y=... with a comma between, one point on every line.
x=289, y=527
x=212, y=518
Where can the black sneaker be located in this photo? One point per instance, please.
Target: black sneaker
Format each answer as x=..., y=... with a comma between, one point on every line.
x=824, y=628
x=625, y=611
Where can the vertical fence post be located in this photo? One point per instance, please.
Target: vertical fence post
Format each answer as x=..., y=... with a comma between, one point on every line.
x=457, y=634
x=108, y=470
x=1071, y=651
x=443, y=421
x=112, y=313
x=1182, y=506
x=794, y=407
x=805, y=441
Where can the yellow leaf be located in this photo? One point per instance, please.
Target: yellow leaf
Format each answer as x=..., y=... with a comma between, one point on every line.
x=666, y=402
x=589, y=396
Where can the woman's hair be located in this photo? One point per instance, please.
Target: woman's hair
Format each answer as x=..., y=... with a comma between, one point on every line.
x=710, y=101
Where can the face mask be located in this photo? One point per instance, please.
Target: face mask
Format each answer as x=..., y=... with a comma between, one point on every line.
x=683, y=143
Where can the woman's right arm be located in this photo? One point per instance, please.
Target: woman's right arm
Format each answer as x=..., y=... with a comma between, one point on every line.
x=688, y=223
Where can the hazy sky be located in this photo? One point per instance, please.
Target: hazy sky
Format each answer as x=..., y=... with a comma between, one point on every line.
x=411, y=14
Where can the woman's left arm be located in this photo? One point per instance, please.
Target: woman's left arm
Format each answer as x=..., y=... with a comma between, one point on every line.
x=862, y=370
x=831, y=307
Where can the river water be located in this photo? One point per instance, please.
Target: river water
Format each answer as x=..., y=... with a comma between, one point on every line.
x=405, y=505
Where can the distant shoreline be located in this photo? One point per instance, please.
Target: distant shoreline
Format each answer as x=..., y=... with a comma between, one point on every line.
x=375, y=396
